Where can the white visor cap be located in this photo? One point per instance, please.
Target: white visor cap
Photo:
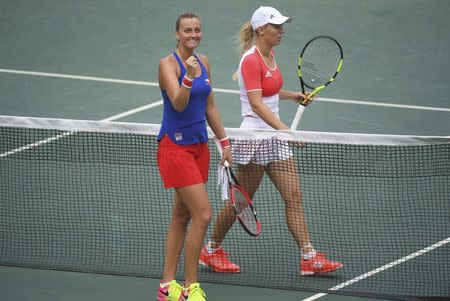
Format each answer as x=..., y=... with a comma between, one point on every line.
x=265, y=15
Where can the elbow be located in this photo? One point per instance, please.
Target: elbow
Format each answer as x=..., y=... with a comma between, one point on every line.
x=179, y=109
x=179, y=103
x=257, y=108
x=179, y=106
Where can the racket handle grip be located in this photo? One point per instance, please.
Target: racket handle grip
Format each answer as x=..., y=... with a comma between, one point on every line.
x=297, y=117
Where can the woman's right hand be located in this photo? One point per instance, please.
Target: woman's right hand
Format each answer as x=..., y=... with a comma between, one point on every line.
x=191, y=67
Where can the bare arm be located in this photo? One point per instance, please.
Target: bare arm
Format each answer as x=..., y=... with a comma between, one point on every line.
x=295, y=96
x=255, y=99
x=214, y=119
x=168, y=81
x=216, y=125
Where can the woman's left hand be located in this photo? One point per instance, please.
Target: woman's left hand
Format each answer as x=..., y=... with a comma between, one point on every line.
x=303, y=99
x=226, y=156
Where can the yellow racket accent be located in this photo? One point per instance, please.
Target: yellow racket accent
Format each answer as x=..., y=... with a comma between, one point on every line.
x=340, y=65
x=299, y=71
x=312, y=94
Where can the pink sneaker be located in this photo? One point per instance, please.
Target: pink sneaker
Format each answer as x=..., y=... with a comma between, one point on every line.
x=170, y=292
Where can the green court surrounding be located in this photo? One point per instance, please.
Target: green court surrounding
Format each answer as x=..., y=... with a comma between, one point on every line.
x=97, y=60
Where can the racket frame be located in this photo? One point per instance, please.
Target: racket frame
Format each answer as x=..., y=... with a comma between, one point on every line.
x=236, y=186
x=316, y=90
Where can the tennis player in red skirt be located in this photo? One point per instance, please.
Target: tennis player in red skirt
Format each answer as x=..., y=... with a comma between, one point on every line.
x=183, y=155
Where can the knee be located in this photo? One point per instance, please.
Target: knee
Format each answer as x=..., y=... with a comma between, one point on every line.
x=180, y=219
x=203, y=218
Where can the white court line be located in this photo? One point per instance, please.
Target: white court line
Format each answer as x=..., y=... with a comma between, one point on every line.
x=384, y=104
x=80, y=77
x=59, y=136
x=381, y=269
x=35, y=144
x=229, y=91
x=314, y=297
x=133, y=111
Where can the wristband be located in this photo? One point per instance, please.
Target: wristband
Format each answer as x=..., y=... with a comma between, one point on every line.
x=225, y=143
x=187, y=82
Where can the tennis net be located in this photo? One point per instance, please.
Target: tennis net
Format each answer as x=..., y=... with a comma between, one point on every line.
x=87, y=196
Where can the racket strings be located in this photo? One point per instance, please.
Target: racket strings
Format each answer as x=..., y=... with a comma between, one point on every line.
x=244, y=211
x=320, y=61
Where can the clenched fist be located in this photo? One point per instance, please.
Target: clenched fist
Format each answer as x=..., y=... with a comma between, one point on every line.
x=191, y=67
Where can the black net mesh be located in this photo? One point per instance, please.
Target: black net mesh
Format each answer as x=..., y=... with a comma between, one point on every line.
x=94, y=201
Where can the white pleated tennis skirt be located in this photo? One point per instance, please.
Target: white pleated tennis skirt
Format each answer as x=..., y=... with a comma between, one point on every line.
x=259, y=151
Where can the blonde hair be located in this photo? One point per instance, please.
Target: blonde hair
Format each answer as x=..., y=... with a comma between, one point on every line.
x=244, y=40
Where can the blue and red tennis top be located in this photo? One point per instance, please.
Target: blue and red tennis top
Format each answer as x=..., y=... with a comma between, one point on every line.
x=189, y=126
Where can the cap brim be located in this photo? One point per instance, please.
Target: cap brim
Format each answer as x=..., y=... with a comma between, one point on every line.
x=280, y=20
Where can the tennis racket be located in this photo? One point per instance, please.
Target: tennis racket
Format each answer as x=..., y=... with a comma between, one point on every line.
x=318, y=65
x=242, y=204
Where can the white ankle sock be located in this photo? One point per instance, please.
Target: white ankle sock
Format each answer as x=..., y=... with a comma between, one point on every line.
x=209, y=247
x=161, y=285
x=310, y=254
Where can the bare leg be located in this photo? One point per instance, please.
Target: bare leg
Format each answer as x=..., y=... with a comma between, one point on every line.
x=284, y=176
x=249, y=176
x=195, y=199
x=224, y=222
x=175, y=237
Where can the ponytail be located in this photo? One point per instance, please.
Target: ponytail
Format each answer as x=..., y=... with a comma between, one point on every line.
x=245, y=37
x=244, y=40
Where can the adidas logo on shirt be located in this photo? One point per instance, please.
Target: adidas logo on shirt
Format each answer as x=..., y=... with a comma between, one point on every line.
x=268, y=74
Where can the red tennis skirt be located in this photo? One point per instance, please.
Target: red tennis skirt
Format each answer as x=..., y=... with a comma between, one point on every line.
x=182, y=165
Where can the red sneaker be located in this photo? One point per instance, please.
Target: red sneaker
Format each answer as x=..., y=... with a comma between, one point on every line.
x=218, y=261
x=318, y=265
